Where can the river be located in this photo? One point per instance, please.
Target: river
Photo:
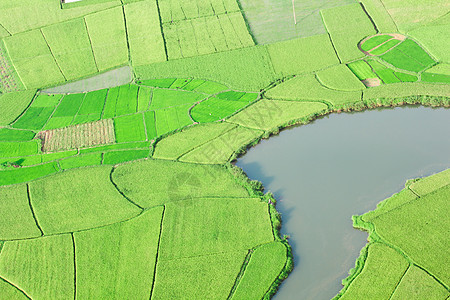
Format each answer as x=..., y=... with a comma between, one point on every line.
x=337, y=166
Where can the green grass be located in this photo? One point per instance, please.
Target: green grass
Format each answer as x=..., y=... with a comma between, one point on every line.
x=361, y=69
x=411, y=14
x=163, y=98
x=236, y=68
x=93, y=159
x=35, y=65
x=12, y=135
x=417, y=284
x=347, y=25
x=58, y=122
x=376, y=65
x=194, y=282
x=388, y=76
x=302, y=55
x=93, y=103
x=69, y=105
x=150, y=125
x=271, y=114
x=129, y=128
x=154, y=182
x=215, y=108
x=385, y=47
x=412, y=49
x=170, y=119
x=400, y=60
x=389, y=204
x=382, y=269
x=144, y=34
x=308, y=88
x=398, y=90
x=127, y=99
x=48, y=259
x=107, y=264
x=11, y=292
x=132, y=145
x=184, y=236
x=419, y=230
x=13, y=104
x=208, y=87
x=46, y=12
x=17, y=221
x=46, y=100
x=19, y=175
x=375, y=41
x=406, y=77
x=160, y=82
x=78, y=199
x=431, y=183
x=430, y=77
x=117, y=157
x=340, y=77
x=177, y=144
x=144, y=98
x=106, y=31
x=436, y=46
x=221, y=149
x=13, y=149
x=200, y=36
x=71, y=47
x=265, y=264
x=440, y=69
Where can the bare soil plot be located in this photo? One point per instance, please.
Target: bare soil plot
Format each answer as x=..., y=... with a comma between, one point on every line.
x=73, y=137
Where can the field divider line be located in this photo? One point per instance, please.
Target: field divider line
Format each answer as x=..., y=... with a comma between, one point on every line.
x=90, y=43
x=83, y=230
x=74, y=267
x=16, y=287
x=104, y=104
x=399, y=281
x=161, y=28
x=126, y=33
x=120, y=192
x=157, y=252
x=241, y=273
x=23, y=112
x=370, y=18
x=389, y=14
x=206, y=142
x=54, y=57
x=2, y=26
x=32, y=210
x=145, y=126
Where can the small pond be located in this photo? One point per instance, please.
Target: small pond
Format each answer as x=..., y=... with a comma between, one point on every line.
x=340, y=165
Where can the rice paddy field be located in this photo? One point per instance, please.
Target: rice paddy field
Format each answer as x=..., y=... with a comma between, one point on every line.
x=120, y=121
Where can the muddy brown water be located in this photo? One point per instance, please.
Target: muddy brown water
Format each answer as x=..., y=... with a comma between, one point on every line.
x=340, y=165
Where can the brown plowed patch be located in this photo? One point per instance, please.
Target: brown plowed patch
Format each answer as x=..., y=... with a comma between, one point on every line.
x=78, y=136
x=371, y=82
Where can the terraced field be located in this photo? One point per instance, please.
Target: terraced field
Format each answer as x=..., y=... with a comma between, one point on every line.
x=129, y=191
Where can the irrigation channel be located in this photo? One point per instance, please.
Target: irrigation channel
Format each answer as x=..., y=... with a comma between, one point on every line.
x=340, y=165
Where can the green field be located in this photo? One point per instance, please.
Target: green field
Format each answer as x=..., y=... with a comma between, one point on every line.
x=128, y=190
